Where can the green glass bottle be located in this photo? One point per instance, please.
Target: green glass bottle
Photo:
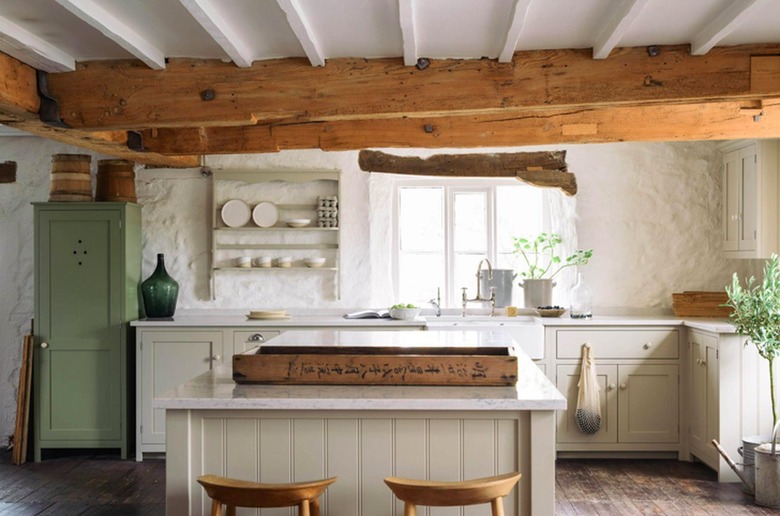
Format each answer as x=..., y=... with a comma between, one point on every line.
x=159, y=292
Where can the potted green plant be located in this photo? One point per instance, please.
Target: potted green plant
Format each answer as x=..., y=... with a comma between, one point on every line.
x=757, y=316
x=543, y=264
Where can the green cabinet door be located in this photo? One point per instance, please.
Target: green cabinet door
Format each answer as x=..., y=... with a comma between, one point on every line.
x=81, y=367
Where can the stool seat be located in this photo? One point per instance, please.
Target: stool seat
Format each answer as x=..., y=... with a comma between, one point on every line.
x=448, y=494
x=242, y=493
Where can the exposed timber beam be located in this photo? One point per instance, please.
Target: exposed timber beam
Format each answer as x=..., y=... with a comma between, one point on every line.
x=116, y=30
x=408, y=32
x=724, y=24
x=617, y=26
x=681, y=122
x=211, y=19
x=126, y=95
x=516, y=23
x=19, y=95
x=546, y=169
x=32, y=50
x=303, y=31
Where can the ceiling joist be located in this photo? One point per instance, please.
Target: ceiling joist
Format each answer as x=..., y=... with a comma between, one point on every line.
x=408, y=33
x=516, y=23
x=303, y=31
x=29, y=48
x=116, y=30
x=616, y=27
x=122, y=95
x=724, y=24
x=210, y=18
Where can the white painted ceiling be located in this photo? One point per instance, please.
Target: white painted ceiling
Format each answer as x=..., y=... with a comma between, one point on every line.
x=56, y=34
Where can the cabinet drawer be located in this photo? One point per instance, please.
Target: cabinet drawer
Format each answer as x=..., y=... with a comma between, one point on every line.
x=640, y=344
x=248, y=339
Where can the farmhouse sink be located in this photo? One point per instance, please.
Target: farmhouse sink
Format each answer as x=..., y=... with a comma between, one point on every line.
x=526, y=330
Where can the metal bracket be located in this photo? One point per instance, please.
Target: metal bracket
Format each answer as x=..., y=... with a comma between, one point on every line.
x=49, y=110
x=135, y=141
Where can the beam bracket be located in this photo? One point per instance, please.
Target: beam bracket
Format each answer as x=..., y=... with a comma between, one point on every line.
x=135, y=141
x=49, y=110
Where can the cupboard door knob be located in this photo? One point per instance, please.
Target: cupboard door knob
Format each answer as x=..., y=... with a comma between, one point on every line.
x=698, y=360
x=703, y=362
x=611, y=387
x=257, y=337
x=623, y=386
x=647, y=345
x=44, y=345
x=218, y=358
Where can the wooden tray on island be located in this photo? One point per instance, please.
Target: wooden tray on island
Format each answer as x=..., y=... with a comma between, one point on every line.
x=370, y=365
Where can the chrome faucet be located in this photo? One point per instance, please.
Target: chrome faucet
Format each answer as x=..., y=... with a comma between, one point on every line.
x=436, y=302
x=479, y=297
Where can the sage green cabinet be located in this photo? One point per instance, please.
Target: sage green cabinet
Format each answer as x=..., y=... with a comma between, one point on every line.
x=87, y=273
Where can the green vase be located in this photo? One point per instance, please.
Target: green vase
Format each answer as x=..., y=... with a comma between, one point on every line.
x=159, y=292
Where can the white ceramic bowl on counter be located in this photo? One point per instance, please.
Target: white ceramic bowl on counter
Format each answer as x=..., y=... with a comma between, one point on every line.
x=404, y=314
x=297, y=223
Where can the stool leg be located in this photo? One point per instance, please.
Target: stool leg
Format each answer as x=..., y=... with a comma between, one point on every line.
x=230, y=510
x=303, y=508
x=216, y=508
x=410, y=509
x=315, y=507
x=497, y=506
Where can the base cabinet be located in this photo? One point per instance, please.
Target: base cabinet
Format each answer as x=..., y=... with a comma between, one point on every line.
x=167, y=359
x=638, y=374
x=704, y=414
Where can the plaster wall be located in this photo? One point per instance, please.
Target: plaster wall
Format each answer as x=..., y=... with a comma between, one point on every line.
x=651, y=212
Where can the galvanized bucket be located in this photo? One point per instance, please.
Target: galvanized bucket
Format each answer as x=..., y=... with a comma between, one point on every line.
x=767, y=465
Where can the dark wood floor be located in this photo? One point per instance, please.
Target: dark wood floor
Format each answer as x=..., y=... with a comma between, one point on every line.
x=103, y=485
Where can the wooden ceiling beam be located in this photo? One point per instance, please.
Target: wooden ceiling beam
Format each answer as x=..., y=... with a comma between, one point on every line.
x=617, y=26
x=303, y=31
x=210, y=18
x=516, y=24
x=683, y=122
x=408, y=31
x=126, y=95
x=26, y=46
x=724, y=24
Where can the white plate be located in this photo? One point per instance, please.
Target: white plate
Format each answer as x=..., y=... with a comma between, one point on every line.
x=265, y=214
x=235, y=213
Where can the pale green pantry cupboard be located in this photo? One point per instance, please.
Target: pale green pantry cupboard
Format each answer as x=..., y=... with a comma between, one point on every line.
x=87, y=276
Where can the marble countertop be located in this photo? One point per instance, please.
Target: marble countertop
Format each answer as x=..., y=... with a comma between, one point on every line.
x=216, y=390
x=335, y=319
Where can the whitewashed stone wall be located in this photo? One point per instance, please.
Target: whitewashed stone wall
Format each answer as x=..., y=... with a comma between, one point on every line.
x=650, y=212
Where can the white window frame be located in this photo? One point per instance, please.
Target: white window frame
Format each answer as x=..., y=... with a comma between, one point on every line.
x=452, y=186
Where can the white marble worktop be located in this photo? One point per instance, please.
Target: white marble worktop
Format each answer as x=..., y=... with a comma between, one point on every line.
x=331, y=318
x=216, y=389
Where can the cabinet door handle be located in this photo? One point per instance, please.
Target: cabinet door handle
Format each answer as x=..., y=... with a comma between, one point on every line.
x=44, y=345
x=647, y=345
x=256, y=337
x=698, y=360
x=218, y=358
x=623, y=386
x=611, y=387
x=703, y=362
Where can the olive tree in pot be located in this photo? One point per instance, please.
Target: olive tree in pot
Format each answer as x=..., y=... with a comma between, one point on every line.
x=757, y=316
x=542, y=265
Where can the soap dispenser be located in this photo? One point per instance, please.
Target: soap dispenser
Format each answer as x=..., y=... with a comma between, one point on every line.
x=581, y=300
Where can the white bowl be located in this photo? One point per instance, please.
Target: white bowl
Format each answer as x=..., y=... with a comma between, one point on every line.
x=297, y=223
x=284, y=261
x=404, y=314
x=314, y=262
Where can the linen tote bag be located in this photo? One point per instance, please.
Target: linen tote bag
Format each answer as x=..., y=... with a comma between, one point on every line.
x=588, y=413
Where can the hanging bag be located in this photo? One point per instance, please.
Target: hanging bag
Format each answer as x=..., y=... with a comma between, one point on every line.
x=588, y=413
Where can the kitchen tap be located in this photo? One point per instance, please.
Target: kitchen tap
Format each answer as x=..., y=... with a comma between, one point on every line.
x=437, y=302
x=479, y=297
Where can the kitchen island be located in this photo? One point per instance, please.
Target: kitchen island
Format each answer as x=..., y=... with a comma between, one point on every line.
x=283, y=433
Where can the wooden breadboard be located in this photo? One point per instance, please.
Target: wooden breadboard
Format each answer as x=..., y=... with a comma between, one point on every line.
x=696, y=303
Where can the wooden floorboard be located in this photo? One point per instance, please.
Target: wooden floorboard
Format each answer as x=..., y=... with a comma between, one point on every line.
x=94, y=485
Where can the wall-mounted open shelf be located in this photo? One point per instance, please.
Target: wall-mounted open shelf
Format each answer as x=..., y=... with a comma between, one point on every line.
x=229, y=243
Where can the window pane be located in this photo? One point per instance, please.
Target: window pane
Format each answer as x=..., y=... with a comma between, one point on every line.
x=421, y=226
x=466, y=274
x=420, y=275
x=518, y=214
x=470, y=229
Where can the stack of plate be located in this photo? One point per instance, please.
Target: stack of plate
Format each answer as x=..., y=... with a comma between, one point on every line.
x=268, y=314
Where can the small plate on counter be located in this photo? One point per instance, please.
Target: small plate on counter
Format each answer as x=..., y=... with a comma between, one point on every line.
x=235, y=213
x=265, y=214
x=551, y=312
x=268, y=314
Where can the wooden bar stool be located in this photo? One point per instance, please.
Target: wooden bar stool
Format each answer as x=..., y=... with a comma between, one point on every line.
x=447, y=494
x=241, y=493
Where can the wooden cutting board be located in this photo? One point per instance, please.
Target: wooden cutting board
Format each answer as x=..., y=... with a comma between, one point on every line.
x=698, y=303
